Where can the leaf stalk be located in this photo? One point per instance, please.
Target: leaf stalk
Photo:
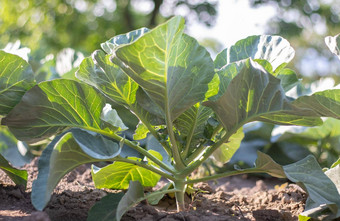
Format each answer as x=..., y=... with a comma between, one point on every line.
x=139, y=149
x=225, y=174
x=210, y=150
x=146, y=166
x=152, y=130
x=188, y=141
x=179, y=164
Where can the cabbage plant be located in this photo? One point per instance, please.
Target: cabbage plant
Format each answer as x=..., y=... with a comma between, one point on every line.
x=155, y=104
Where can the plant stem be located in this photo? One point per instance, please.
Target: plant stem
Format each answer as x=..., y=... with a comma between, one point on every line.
x=210, y=150
x=156, y=135
x=160, y=192
x=179, y=164
x=225, y=174
x=188, y=141
x=195, y=154
x=151, y=129
x=139, y=149
x=146, y=166
x=201, y=148
x=181, y=186
x=217, y=129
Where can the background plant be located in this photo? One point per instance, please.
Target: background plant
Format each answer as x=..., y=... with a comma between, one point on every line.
x=300, y=20
x=163, y=83
x=48, y=27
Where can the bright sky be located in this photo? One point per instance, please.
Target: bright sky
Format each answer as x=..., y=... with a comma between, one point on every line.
x=235, y=21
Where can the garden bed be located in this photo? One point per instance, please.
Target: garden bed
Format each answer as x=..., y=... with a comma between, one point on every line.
x=233, y=198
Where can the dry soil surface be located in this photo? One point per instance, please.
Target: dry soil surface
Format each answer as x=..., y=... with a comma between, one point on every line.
x=235, y=198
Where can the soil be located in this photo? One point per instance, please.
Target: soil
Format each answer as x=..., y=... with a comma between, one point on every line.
x=234, y=198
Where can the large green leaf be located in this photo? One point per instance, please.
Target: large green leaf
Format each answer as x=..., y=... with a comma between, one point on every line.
x=325, y=103
x=100, y=72
x=111, y=45
x=16, y=77
x=54, y=105
x=333, y=44
x=322, y=191
x=96, y=145
x=224, y=153
x=288, y=78
x=119, y=174
x=322, y=211
x=274, y=49
x=63, y=154
x=172, y=68
x=255, y=95
x=272, y=52
x=19, y=177
x=109, y=79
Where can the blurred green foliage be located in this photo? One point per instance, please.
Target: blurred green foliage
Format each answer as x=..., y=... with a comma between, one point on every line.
x=305, y=23
x=295, y=17
x=83, y=24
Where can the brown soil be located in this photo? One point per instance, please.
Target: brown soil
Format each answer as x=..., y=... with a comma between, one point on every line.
x=235, y=198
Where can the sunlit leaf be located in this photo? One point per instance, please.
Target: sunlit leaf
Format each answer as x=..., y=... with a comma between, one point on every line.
x=16, y=77
x=224, y=153
x=333, y=44
x=172, y=68
x=111, y=45
x=255, y=95
x=100, y=72
x=119, y=174
x=54, y=105
x=111, y=116
x=275, y=49
x=110, y=80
